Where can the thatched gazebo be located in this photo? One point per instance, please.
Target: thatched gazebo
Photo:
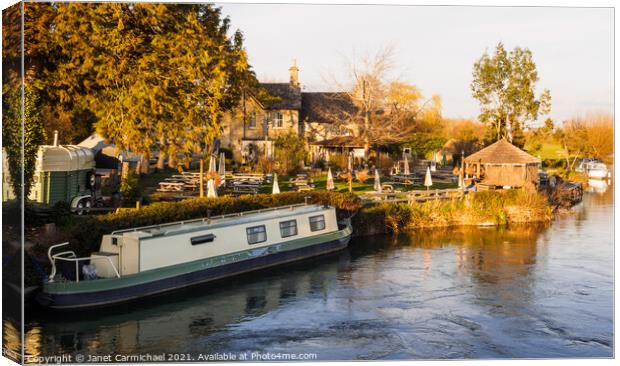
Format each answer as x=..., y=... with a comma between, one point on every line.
x=503, y=165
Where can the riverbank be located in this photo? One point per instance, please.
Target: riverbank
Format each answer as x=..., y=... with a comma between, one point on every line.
x=476, y=208
x=487, y=208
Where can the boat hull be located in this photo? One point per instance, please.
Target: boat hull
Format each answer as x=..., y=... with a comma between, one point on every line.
x=598, y=174
x=102, y=292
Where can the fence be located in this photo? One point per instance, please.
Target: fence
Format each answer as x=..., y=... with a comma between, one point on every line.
x=412, y=196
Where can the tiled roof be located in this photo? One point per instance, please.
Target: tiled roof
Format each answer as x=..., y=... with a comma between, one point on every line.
x=340, y=141
x=326, y=107
x=288, y=97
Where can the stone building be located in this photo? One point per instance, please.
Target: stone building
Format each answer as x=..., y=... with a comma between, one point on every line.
x=250, y=130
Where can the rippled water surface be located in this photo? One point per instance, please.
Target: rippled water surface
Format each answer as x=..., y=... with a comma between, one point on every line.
x=527, y=291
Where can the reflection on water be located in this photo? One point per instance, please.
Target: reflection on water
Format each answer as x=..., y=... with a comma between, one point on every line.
x=526, y=291
x=597, y=185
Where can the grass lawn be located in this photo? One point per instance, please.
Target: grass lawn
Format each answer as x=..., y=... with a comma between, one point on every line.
x=550, y=151
x=149, y=183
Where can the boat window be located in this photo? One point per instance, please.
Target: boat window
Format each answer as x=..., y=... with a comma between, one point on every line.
x=202, y=239
x=288, y=228
x=256, y=234
x=317, y=223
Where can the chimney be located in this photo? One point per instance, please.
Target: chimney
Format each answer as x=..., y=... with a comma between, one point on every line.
x=294, y=74
x=55, y=138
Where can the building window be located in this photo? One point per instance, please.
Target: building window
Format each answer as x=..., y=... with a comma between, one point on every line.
x=252, y=120
x=256, y=234
x=317, y=223
x=288, y=228
x=277, y=119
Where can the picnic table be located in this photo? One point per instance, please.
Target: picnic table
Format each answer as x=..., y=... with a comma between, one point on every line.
x=303, y=188
x=404, y=179
x=171, y=187
x=245, y=188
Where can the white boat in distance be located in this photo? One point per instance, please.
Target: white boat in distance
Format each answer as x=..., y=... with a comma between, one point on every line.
x=594, y=169
x=143, y=261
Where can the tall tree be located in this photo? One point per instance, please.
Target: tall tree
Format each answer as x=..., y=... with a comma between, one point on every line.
x=22, y=135
x=504, y=84
x=151, y=73
x=33, y=135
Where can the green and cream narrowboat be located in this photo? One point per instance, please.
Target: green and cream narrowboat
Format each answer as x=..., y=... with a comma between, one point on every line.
x=144, y=261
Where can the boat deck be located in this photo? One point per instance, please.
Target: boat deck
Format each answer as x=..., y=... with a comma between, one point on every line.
x=223, y=220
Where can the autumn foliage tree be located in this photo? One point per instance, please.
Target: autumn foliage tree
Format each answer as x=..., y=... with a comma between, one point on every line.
x=586, y=136
x=141, y=75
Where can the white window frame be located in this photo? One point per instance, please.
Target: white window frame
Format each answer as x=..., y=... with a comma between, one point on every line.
x=252, y=118
x=251, y=234
x=277, y=119
x=288, y=226
x=313, y=220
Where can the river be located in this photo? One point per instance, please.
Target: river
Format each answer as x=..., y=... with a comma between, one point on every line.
x=521, y=292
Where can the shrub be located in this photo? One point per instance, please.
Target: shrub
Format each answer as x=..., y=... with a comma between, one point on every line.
x=397, y=216
x=361, y=175
x=498, y=207
x=338, y=161
x=87, y=234
x=290, y=152
x=266, y=165
x=130, y=188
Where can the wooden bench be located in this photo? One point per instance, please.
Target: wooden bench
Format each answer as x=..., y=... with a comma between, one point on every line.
x=244, y=188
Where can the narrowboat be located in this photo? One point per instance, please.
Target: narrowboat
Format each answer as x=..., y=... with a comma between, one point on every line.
x=143, y=261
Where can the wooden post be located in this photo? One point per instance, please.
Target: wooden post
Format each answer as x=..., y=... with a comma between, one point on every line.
x=350, y=182
x=202, y=180
x=137, y=204
x=462, y=170
x=124, y=170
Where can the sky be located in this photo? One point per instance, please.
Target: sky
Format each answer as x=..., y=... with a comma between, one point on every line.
x=435, y=47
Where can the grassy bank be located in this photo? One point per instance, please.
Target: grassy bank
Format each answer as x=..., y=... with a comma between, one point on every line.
x=478, y=208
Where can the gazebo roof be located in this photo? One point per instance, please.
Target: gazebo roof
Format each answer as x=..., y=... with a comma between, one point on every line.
x=501, y=152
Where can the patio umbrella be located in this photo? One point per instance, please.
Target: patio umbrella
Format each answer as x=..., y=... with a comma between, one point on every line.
x=406, y=171
x=377, y=181
x=330, y=180
x=428, y=181
x=276, y=187
x=211, y=188
x=222, y=168
x=212, y=167
x=460, y=180
x=350, y=163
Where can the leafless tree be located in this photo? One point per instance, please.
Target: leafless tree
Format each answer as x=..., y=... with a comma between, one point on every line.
x=372, y=103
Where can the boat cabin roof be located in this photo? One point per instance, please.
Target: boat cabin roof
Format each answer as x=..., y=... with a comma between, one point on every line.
x=222, y=220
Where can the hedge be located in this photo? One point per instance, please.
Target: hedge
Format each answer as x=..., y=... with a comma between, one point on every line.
x=87, y=233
